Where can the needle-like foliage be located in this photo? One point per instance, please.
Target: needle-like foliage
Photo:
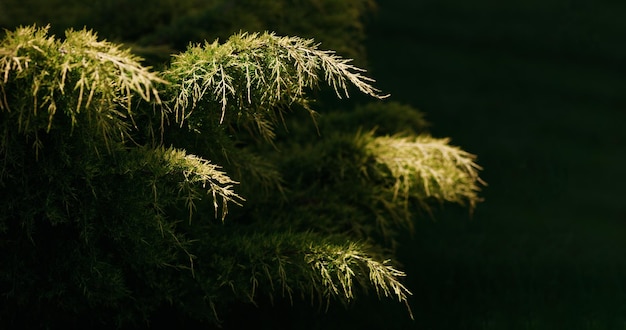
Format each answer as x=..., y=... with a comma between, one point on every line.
x=316, y=267
x=117, y=181
x=91, y=82
x=253, y=77
x=427, y=168
x=375, y=183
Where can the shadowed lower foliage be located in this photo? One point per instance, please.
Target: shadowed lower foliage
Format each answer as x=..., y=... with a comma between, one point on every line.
x=116, y=207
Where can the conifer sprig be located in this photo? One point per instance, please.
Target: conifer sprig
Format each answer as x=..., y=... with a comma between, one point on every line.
x=255, y=76
x=307, y=263
x=338, y=266
x=80, y=76
x=192, y=176
x=423, y=167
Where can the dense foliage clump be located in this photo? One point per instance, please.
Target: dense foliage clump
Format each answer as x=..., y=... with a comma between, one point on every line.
x=126, y=191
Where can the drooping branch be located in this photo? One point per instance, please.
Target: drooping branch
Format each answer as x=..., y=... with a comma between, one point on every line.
x=307, y=264
x=424, y=167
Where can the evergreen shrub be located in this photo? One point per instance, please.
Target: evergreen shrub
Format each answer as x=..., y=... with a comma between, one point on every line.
x=127, y=191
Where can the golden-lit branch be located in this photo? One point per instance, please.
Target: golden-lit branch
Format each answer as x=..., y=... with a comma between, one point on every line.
x=255, y=76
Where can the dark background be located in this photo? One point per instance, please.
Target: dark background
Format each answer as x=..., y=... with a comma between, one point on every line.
x=536, y=90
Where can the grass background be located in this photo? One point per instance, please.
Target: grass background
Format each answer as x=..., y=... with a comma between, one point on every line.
x=537, y=90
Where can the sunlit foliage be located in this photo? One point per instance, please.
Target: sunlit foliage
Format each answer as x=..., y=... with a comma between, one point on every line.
x=126, y=191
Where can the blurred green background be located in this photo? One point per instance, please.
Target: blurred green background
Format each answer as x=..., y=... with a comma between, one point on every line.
x=537, y=90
